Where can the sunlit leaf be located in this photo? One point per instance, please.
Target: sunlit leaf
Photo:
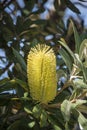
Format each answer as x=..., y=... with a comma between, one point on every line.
x=66, y=108
x=27, y=110
x=31, y=124
x=82, y=108
x=79, y=83
x=79, y=102
x=43, y=119
x=37, y=111
x=56, y=127
x=79, y=63
x=82, y=121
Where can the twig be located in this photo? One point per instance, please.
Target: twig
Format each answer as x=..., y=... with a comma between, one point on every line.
x=17, y=116
x=47, y=106
x=6, y=68
x=64, y=87
x=7, y=4
x=73, y=101
x=82, y=95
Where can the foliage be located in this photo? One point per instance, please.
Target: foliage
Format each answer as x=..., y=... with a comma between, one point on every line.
x=17, y=36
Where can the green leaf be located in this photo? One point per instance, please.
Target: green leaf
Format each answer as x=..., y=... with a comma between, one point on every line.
x=20, y=70
x=8, y=86
x=20, y=59
x=28, y=110
x=64, y=44
x=83, y=121
x=9, y=21
x=79, y=63
x=3, y=81
x=43, y=119
x=66, y=57
x=67, y=126
x=22, y=84
x=72, y=7
x=56, y=121
x=66, y=108
x=25, y=94
x=82, y=108
x=37, y=111
x=82, y=0
x=20, y=124
x=5, y=98
x=62, y=96
x=84, y=73
x=14, y=126
x=77, y=39
x=79, y=102
x=79, y=84
x=75, y=71
x=29, y=4
x=83, y=50
x=26, y=24
x=19, y=25
x=31, y=124
x=56, y=127
x=7, y=34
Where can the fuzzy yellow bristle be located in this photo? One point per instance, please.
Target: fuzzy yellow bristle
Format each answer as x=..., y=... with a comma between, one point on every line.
x=41, y=73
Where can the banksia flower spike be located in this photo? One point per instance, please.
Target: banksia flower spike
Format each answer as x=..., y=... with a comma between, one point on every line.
x=41, y=73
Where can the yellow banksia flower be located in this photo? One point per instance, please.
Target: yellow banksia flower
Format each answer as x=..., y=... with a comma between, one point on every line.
x=41, y=73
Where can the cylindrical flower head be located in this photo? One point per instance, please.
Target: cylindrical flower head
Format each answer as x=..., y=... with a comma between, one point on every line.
x=41, y=73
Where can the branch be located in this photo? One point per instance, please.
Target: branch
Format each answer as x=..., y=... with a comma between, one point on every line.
x=7, y=4
x=17, y=116
x=64, y=87
x=6, y=68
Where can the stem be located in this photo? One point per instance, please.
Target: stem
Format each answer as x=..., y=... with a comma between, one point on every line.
x=82, y=95
x=15, y=99
x=26, y=31
x=56, y=105
x=64, y=87
x=7, y=4
x=17, y=116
